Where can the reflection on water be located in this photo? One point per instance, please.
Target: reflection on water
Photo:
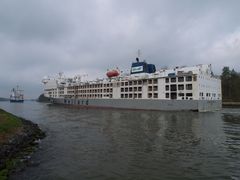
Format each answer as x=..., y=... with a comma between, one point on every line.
x=119, y=144
x=232, y=131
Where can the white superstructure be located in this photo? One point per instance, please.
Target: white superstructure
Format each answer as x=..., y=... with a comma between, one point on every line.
x=179, y=83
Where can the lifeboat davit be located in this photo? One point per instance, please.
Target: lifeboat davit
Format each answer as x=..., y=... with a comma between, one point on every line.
x=113, y=73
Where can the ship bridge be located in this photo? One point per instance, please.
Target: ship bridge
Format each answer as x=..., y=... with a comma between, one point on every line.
x=142, y=67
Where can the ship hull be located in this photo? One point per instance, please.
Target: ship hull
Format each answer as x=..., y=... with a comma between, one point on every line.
x=144, y=104
x=16, y=101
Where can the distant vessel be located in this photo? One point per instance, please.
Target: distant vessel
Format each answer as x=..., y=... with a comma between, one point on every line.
x=16, y=95
x=180, y=88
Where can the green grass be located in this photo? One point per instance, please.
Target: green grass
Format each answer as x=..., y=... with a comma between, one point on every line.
x=10, y=165
x=8, y=122
x=8, y=126
x=3, y=174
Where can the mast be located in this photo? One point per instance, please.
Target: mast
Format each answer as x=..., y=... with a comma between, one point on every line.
x=138, y=55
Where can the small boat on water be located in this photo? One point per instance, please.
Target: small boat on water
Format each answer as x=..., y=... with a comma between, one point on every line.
x=17, y=95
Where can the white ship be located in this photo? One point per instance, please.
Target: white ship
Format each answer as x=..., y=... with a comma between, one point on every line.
x=180, y=88
x=16, y=95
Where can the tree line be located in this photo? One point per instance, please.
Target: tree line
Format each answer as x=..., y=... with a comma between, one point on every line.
x=230, y=85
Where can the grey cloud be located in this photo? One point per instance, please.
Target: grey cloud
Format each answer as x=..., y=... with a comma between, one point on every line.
x=32, y=20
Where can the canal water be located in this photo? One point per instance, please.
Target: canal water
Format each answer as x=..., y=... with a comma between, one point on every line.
x=126, y=144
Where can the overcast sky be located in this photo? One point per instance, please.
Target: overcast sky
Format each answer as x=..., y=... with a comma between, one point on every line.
x=39, y=38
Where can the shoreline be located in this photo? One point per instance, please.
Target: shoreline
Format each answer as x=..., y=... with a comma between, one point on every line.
x=17, y=143
x=230, y=104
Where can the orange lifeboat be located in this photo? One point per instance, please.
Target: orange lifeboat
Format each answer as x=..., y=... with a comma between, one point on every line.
x=112, y=73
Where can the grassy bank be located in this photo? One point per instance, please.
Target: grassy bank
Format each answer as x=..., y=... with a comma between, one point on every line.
x=17, y=139
x=9, y=125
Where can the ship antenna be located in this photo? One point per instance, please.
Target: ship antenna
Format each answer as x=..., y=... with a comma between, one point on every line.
x=138, y=55
x=60, y=74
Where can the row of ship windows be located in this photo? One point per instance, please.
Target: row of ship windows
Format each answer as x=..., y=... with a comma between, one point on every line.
x=126, y=89
x=88, y=96
x=134, y=89
x=131, y=95
x=152, y=88
x=181, y=79
x=181, y=95
x=127, y=83
x=209, y=94
x=52, y=92
x=139, y=95
x=139, y=82
x=208, y=78
x=95, y=95
x=130, y=89
x=90, y=86
x=92, y=91
x=174, y=87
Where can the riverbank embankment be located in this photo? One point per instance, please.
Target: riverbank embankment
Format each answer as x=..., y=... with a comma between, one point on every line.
x=17, y=137
x=230, y=104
